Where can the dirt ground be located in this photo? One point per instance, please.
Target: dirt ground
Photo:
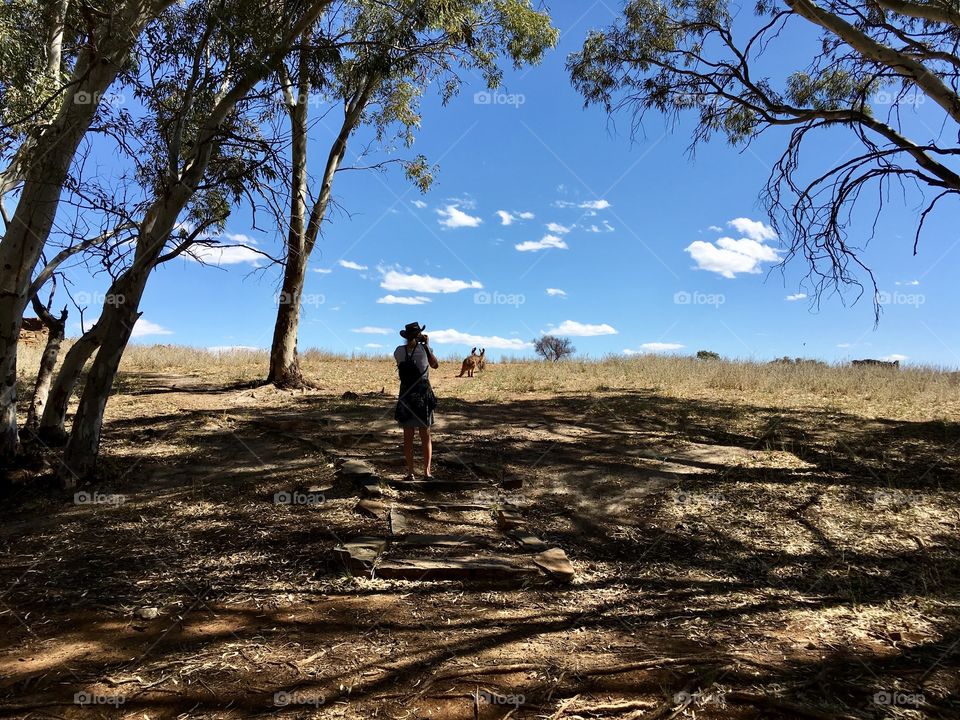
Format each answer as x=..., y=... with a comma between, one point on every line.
x=735, y=558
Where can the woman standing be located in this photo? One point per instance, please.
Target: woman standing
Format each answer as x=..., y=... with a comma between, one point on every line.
x=417, y=402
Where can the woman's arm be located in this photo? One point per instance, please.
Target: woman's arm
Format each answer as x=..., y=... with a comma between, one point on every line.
x=431, y=358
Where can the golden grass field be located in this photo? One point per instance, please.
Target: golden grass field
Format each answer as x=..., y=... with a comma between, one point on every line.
x=750, y=541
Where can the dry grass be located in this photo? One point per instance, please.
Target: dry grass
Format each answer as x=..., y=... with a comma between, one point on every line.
x=912, y=392
x=774, y=541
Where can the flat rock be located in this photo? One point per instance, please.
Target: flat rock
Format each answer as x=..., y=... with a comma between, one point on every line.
x=509, y=519
x=398, y=522
x=361, y=553
x=554, y=563
x=371, y=489
x=372, y=509
x=356, y=469
x=439, y=540
x=147, y=613
x=438, y=485
x=530, y=542
x=486, y=569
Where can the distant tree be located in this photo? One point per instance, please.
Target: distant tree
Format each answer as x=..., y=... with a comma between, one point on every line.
x=872, y=63
x=707, y=355
x=553, y=348
x=375, y=60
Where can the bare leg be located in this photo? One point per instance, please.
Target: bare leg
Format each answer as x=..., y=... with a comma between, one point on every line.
x=427, y=444
x=408, y=448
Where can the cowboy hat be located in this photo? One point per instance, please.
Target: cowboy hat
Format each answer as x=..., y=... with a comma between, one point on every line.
x=412, y=330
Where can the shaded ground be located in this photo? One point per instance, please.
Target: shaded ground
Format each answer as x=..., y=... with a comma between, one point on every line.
x=733, y=561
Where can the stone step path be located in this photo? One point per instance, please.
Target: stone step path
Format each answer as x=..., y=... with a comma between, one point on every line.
x=450, y=529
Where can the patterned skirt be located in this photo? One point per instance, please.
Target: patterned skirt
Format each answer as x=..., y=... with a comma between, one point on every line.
x=415, y=405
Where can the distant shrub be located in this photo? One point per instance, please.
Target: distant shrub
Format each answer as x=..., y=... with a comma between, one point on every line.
x=786, y=360
x=707, y=355
x=553, y=348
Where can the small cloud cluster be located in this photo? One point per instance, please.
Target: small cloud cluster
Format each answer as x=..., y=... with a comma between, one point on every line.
x=452, y=217
x=455, y=337
x=729, y=256
x=578, y=329
x=507, y=218
x=546, y=242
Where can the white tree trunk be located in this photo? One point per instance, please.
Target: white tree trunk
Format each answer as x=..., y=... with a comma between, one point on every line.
x=24, y=238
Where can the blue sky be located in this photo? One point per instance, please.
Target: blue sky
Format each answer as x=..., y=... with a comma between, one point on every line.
x=546, y=216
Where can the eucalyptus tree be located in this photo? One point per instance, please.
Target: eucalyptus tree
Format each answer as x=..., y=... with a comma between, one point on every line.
x=867, y=67
x=375, y=60
x=57, y=62
x=203, y=70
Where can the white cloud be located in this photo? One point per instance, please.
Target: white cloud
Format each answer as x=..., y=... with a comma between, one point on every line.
x=577, y=329
x=323, y=271
x=351, y=265
x=907, y=282
x=419, y=204
x=547, y=241
x=844, y=345
x=587, y=205
x=556, y=292
x=796, y=296
x=595, y=205
x=728, y=257
x=559, y=229
x=507, y=218
x=753, y=229
x=453, y=217
x=895, y=356
x=607, y=227
x=652, y=347
x=237, y=254
x=393, y=280
x=455, y=337
x=395, y=300
x=143, y=328
x=373, y=345
x=715, y=228
x=369, y=330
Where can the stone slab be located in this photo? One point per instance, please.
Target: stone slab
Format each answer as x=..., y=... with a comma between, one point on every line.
x=469, y=569
x=398, y=522
x=439, y=540
x=438, y=485
x=554, y=562
x=372, y=509
x=509, y=519
x=356, y=469
x=528, y=541
x=371, y=489
x=360, y=554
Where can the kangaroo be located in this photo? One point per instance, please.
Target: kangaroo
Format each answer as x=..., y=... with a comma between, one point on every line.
x=470, y=363
x=482, y=359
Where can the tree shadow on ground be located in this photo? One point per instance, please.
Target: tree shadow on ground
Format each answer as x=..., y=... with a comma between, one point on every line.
x=766, y=562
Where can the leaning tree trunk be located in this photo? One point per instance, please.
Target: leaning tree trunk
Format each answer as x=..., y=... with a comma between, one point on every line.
x=80, y=455
x=95, y=70
x=56, y=329
x=52, y=421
